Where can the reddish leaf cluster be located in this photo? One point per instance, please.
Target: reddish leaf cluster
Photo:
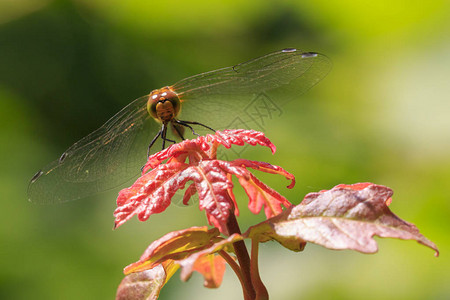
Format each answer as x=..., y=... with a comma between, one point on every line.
x=195, y=161
x=345, y=217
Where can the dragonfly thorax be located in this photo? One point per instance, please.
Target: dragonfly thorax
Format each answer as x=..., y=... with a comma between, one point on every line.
x=163, y=105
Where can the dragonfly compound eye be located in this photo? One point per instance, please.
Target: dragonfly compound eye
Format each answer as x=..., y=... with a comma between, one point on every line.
x=163, y=105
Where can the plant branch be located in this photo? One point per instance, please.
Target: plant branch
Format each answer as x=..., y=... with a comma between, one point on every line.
x=261, y=291
x=242, y=255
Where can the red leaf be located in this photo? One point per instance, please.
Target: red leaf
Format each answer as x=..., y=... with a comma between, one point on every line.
x=190, y=191
x=267, y=168
x=258, y=193
x=212, y=267
x=233, y=198
x=261, y=195
x=179, y=152
x=191, y=148
x=151, y=193
x=239, y=137
x=212, y=186
x=188, y=264
x=194, y=160
x=346, y=217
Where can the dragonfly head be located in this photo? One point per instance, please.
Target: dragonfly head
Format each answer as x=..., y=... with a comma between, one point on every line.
x=163, y=105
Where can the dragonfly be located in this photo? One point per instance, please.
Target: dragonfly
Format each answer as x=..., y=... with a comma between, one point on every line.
x=242, y=96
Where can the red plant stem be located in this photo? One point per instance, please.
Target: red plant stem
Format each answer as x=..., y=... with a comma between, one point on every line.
x=261, y=291
x=242, y=255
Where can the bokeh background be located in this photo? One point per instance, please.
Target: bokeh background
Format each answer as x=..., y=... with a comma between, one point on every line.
x=381, y=115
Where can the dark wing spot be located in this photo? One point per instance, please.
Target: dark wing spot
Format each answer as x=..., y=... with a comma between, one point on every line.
x=36, y=176
x=309, y=54
x=62, y=157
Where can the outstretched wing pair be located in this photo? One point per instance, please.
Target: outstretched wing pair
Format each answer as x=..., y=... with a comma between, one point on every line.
x=114, y=153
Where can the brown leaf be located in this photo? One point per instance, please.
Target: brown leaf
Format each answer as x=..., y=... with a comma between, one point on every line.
x=174, y=245
x=345, y=217
x=193, y=249
x=144, y=285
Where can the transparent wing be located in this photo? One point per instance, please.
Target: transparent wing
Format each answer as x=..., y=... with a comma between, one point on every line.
x=247, y=95
x=106, y=158
x=250, y=94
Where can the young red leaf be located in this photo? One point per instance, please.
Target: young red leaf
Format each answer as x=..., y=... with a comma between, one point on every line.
x=239, y=137
x=207, y=146
x=345, y=217
x=267, y=168
x=188, y=264
x=145, y=285
x=151, y=193
x=212, y=267
x=194, y=160
x=195, y=150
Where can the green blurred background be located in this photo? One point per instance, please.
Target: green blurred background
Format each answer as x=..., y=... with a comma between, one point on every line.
x=381, y=115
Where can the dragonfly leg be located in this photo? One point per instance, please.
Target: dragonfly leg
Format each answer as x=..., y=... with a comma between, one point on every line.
x=164, y=136
x=151, y=145
x=198, y=123
x=177, y=129
x=153, y=141
x=186, y=124
x=162, y=132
